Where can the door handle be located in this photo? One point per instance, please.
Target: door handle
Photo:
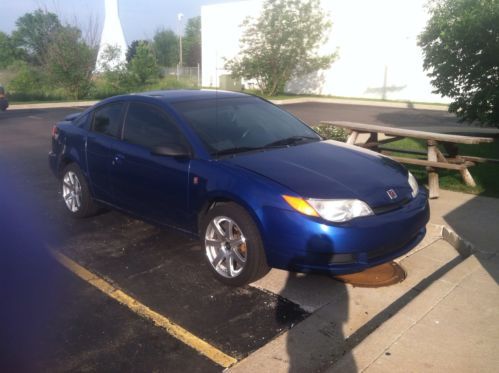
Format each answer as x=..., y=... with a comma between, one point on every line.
x=118, y=158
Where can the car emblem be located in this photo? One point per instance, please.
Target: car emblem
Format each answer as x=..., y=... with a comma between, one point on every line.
x=391, y=193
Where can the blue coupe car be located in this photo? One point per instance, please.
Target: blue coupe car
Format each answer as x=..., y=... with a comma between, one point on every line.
x=259, y=187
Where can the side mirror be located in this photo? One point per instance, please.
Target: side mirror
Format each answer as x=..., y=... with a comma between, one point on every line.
x=172, y=150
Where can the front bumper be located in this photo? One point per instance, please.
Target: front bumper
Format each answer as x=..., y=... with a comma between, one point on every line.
x=297, y=242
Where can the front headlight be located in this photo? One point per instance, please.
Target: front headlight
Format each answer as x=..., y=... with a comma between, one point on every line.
x=413, y=184
x=340, y=210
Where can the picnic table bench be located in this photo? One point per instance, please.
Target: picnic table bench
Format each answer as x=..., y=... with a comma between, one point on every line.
x=435, y=158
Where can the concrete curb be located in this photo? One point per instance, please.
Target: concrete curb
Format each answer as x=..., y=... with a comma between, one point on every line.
x=462, y=246
x=377, y=343
x=346, y=101
x=341, y=101
x=52, y=105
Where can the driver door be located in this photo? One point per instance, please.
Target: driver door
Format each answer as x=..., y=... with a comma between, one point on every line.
x=152, y=186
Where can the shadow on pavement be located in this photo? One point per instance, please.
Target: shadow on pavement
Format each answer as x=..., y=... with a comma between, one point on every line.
x=327, y=343
x=30, y=280
x=477, y=221
x=334, y=332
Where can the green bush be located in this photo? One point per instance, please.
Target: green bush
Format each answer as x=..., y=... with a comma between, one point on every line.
x=30, y=83
x=113, y=83
x=332, y=133
x=171, y=82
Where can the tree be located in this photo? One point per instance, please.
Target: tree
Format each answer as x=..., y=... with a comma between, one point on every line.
x=110, y=59
x=143, y=68
x=461, y=54
x=29, y=82
x=34, y=33
x=191, y=42
x=282, y=43
x=166, y=46
x=132, y=49
x=70, y=61
x=8, y=53
x=113, y=72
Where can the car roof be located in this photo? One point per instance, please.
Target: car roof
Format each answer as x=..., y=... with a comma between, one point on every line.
x=171, y=96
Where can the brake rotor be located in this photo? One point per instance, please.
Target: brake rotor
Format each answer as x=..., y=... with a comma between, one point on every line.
x=383, y=275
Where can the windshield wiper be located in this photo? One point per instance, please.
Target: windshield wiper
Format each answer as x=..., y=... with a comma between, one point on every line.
x=293, y=140
x=276, y=144
x=238, y=149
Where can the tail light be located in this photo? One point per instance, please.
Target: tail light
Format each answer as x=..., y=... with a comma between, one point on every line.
x=55, y=132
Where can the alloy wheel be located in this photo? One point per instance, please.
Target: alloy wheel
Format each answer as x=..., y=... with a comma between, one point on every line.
x=226, y=247
x=71, y=191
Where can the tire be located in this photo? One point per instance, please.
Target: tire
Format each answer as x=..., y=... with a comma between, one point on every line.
x=75, y=193
x=235, y=256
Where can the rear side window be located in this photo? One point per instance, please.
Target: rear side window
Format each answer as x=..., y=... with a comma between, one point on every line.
x=107, y=119
x=81, y=121
x=149, y=126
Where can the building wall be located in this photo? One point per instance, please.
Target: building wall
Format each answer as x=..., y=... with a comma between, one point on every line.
x=376, y=42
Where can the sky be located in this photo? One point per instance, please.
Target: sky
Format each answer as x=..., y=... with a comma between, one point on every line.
x=139, y=19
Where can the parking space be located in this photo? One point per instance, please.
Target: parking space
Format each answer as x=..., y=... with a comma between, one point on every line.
x=162, y=269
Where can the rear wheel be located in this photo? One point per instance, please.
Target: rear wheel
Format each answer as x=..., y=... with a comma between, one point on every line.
x=233, y=246
x=75, y=193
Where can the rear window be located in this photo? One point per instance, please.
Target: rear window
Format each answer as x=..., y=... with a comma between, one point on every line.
x=107, y=119
x=81, y=121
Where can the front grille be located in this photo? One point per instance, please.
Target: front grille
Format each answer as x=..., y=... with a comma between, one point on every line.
x=391, y=207
x=384, y=251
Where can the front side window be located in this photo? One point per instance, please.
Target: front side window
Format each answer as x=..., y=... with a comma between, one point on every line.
x=107, y=119
x=148, y=126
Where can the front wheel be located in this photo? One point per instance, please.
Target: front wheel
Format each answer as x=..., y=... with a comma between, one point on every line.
x=233, y=245
x=75, y=193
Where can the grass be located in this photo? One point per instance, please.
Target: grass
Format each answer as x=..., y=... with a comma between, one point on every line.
x=486, y=175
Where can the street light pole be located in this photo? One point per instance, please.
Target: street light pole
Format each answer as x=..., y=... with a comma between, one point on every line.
x=179, y=17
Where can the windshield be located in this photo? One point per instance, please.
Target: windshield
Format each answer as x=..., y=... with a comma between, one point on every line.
x=234, y=125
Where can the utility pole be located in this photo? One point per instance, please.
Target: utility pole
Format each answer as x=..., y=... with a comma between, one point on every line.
x=385, y=82
x=179, y=17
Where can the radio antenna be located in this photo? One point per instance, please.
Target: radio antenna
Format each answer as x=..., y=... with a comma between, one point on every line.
x=217, y=82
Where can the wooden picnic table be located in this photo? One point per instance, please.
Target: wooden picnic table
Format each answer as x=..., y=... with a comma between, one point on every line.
x=435, y=158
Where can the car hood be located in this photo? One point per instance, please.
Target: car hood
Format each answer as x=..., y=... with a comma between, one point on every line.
x=330, y=170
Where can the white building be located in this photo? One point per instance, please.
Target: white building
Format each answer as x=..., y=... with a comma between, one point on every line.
x=376, y=41
x=112, y=36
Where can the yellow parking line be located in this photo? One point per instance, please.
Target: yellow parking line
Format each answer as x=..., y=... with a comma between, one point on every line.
x=173, y=329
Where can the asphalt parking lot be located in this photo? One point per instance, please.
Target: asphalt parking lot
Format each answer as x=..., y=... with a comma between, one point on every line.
x=162, y=269
x=71, y=325
x=423, y=120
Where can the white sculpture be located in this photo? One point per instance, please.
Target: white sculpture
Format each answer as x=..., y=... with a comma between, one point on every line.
x=112, y=35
